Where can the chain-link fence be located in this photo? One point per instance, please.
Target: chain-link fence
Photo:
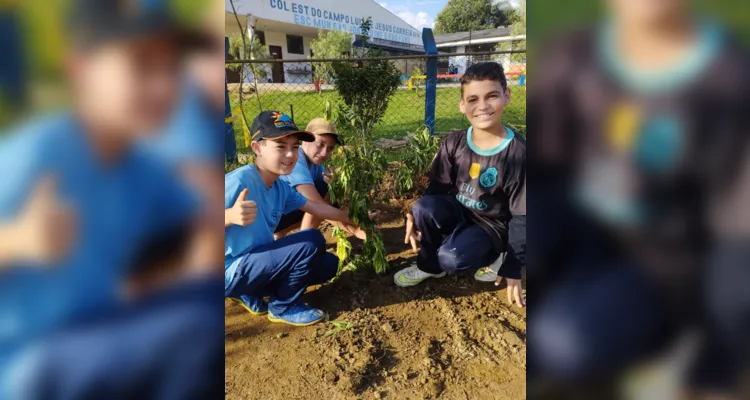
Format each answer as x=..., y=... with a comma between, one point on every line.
x=301, y=89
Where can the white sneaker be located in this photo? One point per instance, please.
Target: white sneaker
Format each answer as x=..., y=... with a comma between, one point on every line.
x=485, y=274
x=489, y=274
x=412, y=276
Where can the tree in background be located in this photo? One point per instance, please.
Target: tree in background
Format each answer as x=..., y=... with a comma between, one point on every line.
x=466, y=15
x=240, y=48
x=329, y=44
x=518, y=28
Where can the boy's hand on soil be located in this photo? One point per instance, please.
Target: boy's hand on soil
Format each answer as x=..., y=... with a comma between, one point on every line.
x=328, y=176
x=374, y=215
x=46, y=227
x=412, y=235
x=514, y=291
x=244, y=211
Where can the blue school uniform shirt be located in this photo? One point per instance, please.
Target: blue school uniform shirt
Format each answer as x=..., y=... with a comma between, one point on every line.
x=116, y=207
x=195, y=133
x=303, y=173
x=272, y=202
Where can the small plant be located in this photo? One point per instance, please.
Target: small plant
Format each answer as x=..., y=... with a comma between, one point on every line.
x=365, y=88
x=360, y=168
x=418, y=156
x=340, y=326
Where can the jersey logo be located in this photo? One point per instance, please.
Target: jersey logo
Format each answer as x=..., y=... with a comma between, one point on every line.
x=654, y=141
x=489, y=177
x=660, y=144
x=624, y=123
x=474, y=171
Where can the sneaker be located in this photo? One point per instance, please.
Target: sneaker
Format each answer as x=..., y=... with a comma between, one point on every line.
x=255, y=305
x=489, y=274
x=485, y=275
x=298, y=315
x=412, y=276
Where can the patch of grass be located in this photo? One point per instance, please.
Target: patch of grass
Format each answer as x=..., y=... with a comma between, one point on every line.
x=405, y=110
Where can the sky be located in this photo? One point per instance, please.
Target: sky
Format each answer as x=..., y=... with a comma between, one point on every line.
x=418, y=13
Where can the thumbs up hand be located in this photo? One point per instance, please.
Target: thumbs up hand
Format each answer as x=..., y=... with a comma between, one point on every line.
x=46, y=226
x=243, y=212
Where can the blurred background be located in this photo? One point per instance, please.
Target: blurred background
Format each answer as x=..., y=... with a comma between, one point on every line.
x=111, y=141
x=637, y=168
x=549, y=18
x=33, y=71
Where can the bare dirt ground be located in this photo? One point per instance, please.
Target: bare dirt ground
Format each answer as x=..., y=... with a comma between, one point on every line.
x=449, y=338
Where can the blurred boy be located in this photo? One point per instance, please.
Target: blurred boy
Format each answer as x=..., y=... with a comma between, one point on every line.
x=193, y=142
x=475, y=205
x=254, y=201
x=195, y=135
x=642, y=173
x=310, y=178
x=141, y=349
x=76, y=194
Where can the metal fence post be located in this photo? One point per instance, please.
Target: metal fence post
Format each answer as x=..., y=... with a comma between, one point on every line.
x=230, y=143
x=431, y=83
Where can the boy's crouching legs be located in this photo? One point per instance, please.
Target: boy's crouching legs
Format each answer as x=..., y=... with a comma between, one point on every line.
x=318, y=266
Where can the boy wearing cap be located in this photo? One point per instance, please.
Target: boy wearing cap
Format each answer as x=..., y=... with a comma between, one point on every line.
x=255, y=264
x=311, y=179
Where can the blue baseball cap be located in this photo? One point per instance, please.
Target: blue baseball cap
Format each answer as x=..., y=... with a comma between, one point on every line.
x=274, y=125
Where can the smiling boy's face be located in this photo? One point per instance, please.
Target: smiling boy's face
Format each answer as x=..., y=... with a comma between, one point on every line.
x=483, y=103
x=320, y=150
x=277, y=156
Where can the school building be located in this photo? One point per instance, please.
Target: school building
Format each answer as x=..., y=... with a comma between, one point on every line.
x=286, y=28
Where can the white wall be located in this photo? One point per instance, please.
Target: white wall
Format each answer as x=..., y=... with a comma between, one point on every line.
x=279, y=39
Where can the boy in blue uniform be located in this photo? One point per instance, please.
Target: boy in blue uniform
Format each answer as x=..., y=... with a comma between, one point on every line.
x=475, y=206
x=193, y=143
x=311, y=179
x=76, y=193
x=254, y=201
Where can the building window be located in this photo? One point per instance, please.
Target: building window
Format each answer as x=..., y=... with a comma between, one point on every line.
x=294, y=45
x=261, y=37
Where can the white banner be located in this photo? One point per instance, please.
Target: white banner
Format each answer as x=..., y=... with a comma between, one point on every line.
x=337, y=15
